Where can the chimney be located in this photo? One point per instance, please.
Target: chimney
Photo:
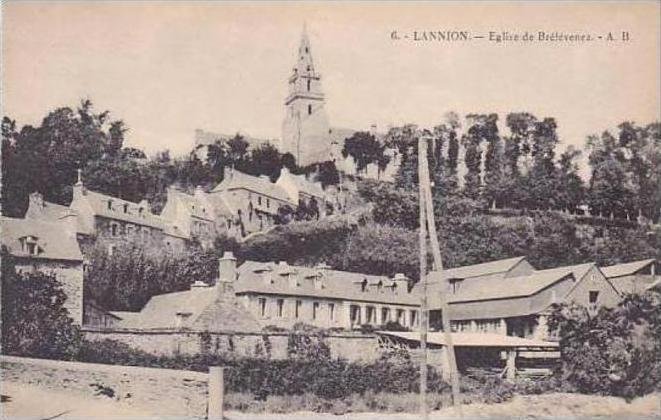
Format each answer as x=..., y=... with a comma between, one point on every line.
x=226, y=273
x=402, y=283
x=37, y=201
x=79, y=188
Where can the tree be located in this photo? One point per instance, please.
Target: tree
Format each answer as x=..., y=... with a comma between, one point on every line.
x=571, y=191
x=479, y=128
x=237, y=149
x=328, y=174
x=542, y=178
x=364, y=148
x=35, y=322
x=495, y=185
x=266, y=160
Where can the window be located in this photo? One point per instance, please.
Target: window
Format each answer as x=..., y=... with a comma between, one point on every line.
x=385, y=315
x=126, y=208
x=331, y=311
x=370, y=314
x=315, y=309
x=259, y=200
x=400, y=316
x=413, y=318
x=109, y=204
x=594, y=295
x=114, y=229
x=297, y=308
x=262, y=307
x=455, y=284
x=281, y=304
x=308, y=84
x=129, y=229
x=268, y=203
x=363, y=285
x=306, y=50
x=309, y=109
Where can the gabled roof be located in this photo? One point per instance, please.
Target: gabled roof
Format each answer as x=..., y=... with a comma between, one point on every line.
x=194, y=205
x=203, y=310
x=53, y=239
x=626, y=269
x=45, y=211
x=307, y=187
x=239, y=180
x=475, y=270
x=512, y=287
x=341, y=285
x=99, y=205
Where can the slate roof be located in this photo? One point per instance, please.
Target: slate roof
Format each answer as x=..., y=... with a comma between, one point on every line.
x=99, y=206
x=53, y=239
x=196, y=207
x=512, y=287
x=475, y=270
x=48, y=211
x=342, y=285
x=240, y=180
x=619, y=270
x=207, y=312
x=307, y=187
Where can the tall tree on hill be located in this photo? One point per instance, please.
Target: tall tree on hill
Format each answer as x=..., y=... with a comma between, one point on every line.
x=404, y=140
x=610, y=192
x=571, y=191
x=46, y=158
x=542, y=179
x=452, y=162
x=237, y=150
x=480, y=128
x=266, y=161
x=495, y=187
x=365, y=149
x=516, y=155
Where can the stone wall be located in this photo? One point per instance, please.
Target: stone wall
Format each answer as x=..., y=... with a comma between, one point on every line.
x=175, y=393
x=352, y=347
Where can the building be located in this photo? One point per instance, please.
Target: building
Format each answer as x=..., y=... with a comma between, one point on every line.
x=283, y=295
x=100, y=219
x=251, y=203
x=305, y=129
x=633, y=277
x=300, y=189
x=192, y=216
x=517, y=301
x=49, y=247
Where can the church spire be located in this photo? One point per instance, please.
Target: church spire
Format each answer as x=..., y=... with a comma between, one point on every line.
x=304, y=63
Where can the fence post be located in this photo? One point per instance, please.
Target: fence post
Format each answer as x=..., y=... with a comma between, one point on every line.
x=216, y=393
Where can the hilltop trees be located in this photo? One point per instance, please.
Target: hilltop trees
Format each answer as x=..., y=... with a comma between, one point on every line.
x=364, y=148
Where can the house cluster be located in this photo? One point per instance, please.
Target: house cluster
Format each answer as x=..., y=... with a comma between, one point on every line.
x=507, y=297
x=58, y=238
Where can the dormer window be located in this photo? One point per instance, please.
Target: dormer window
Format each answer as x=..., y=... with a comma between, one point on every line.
x=126, y=208
x=141, y=211
x=109, y=204
x=29, y=245
x=363, y=285
x=455, y=284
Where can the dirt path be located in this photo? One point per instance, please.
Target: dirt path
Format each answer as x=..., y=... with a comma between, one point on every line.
x=31, y=402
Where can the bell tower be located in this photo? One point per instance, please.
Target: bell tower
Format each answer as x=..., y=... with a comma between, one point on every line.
x=305, y=129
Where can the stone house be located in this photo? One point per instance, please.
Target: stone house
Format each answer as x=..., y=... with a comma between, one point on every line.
x=516, y=302
x=50, y=248
x=251, y=202
x=192, y=216
x=633, y=277
x=300, y=189
x=282, y=295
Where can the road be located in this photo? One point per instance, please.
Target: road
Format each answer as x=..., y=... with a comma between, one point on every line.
x=31, y=402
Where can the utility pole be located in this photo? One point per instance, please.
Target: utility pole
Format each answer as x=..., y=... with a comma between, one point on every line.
x=426, y=201
x=423, y=283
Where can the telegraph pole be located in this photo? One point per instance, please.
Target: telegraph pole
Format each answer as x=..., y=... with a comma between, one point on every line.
x=426, y=201
x=423, y=283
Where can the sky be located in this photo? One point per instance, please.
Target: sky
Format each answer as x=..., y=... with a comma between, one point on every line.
x=169, y=68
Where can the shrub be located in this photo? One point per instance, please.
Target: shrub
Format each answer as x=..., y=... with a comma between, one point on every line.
x=615, y=352
x=35, y=322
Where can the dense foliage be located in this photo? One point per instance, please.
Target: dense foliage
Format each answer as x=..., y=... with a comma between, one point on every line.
x=616, y=351
x=34, y=320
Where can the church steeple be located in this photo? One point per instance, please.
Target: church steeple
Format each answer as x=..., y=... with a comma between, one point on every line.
x=305, y=128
